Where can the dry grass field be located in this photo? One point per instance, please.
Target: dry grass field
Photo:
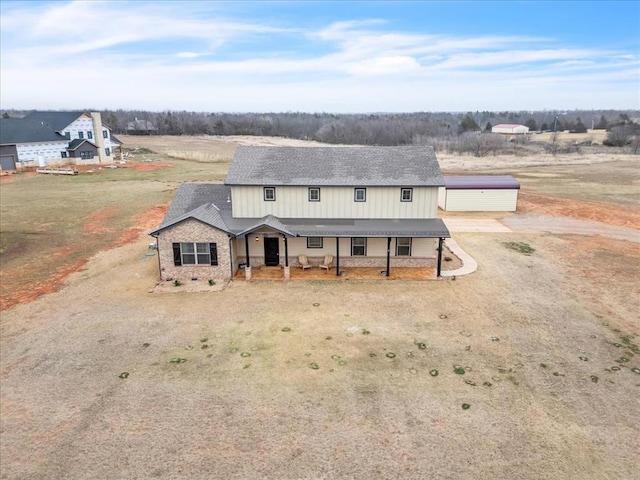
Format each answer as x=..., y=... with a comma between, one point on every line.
x=528, y=368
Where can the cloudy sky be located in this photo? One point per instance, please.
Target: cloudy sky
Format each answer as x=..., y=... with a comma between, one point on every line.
x=320, y=56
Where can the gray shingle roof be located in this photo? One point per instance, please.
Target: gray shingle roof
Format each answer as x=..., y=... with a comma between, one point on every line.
x=79, y=141
x=20, y=130
x=55, y=120
x=207, y=213
x=196, y=200
x=335, y=166
x=268, y=221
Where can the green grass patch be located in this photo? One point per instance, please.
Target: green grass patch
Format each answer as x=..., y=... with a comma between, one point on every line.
x=520, y=247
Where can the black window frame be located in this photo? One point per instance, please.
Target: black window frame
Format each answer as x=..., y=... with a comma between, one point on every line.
x=398, y=246
x=364, y=247
x=81, y=135
x=87, y=155
x=107, y=151
x=309, y=194
x=355, y=194
x=89, y=134
x=406, y=189
x=63, y=154
x=264, y=194
x=105, y=134
x=321, y=242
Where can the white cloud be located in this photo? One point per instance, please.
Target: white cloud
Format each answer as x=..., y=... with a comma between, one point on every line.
x=166, y=56
x=393, y=65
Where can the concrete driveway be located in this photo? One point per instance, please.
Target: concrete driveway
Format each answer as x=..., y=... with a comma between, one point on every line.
x=485, y=225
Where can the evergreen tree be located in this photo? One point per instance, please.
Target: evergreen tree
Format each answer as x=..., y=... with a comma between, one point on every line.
x=602, y=124
x=579, y=127
x=531, y=123
x=488, y=127
x=467, y=124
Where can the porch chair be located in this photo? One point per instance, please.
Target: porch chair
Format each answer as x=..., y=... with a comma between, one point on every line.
x=303, y=262
x=328, y=262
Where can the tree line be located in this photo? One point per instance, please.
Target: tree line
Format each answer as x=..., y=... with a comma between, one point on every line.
x=470, y=131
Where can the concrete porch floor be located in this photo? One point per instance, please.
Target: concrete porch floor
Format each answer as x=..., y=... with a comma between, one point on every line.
x=352, y=273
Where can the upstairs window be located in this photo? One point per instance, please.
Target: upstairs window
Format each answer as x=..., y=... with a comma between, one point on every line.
x=403, y=247
x=269, y=194
x=358, y=247
x=195, y=254
x=105, y=134
x=406, y=194
x=360, y=194
x=80, y=134
x=89, y=134
x=314, y=194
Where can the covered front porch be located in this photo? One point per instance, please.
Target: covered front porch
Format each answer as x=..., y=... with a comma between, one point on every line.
x=349, y=273
x=272, y=248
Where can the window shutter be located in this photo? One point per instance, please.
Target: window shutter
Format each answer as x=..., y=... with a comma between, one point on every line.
x=213, y=249
x=177, y=258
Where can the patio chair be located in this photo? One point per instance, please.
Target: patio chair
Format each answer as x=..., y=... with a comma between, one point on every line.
x=328, y=262
x=303, y=262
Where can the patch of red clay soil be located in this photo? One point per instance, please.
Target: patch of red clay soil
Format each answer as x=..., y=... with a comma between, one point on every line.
x=146, y=221
x=529, y=202
x=49, y=283
x=96, y=223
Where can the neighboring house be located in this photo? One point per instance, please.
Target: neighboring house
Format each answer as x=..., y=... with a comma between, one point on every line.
x=50, y=138
x=476, y=193
x=141, y=127
x=510, y=129
x=365, y=206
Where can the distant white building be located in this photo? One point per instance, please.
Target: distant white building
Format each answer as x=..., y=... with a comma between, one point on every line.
x=49, y=138
x=510, y=129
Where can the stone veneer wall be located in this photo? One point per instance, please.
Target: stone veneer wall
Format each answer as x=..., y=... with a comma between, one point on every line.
x=193, y=231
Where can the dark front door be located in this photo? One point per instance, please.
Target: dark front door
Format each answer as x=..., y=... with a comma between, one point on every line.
x=271, y=251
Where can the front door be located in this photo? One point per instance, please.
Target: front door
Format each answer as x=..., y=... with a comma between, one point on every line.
x=271, y=252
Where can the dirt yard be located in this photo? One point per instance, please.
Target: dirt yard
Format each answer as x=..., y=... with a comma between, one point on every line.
x=529, y=368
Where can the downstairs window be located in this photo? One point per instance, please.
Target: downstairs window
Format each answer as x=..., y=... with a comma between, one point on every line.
x=403, y=247
x=195, y=254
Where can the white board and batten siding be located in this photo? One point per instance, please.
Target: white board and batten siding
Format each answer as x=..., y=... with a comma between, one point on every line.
x=488, y=193
x=335, y=202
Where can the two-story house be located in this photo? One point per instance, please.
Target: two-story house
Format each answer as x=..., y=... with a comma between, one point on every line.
x=365, y=206
x=50, y=138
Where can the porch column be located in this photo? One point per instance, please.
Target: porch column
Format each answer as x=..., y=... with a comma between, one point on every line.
x=286, y=251
x=246, y=247
x=439, y=256
x=388, y=256
x=337, y=256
